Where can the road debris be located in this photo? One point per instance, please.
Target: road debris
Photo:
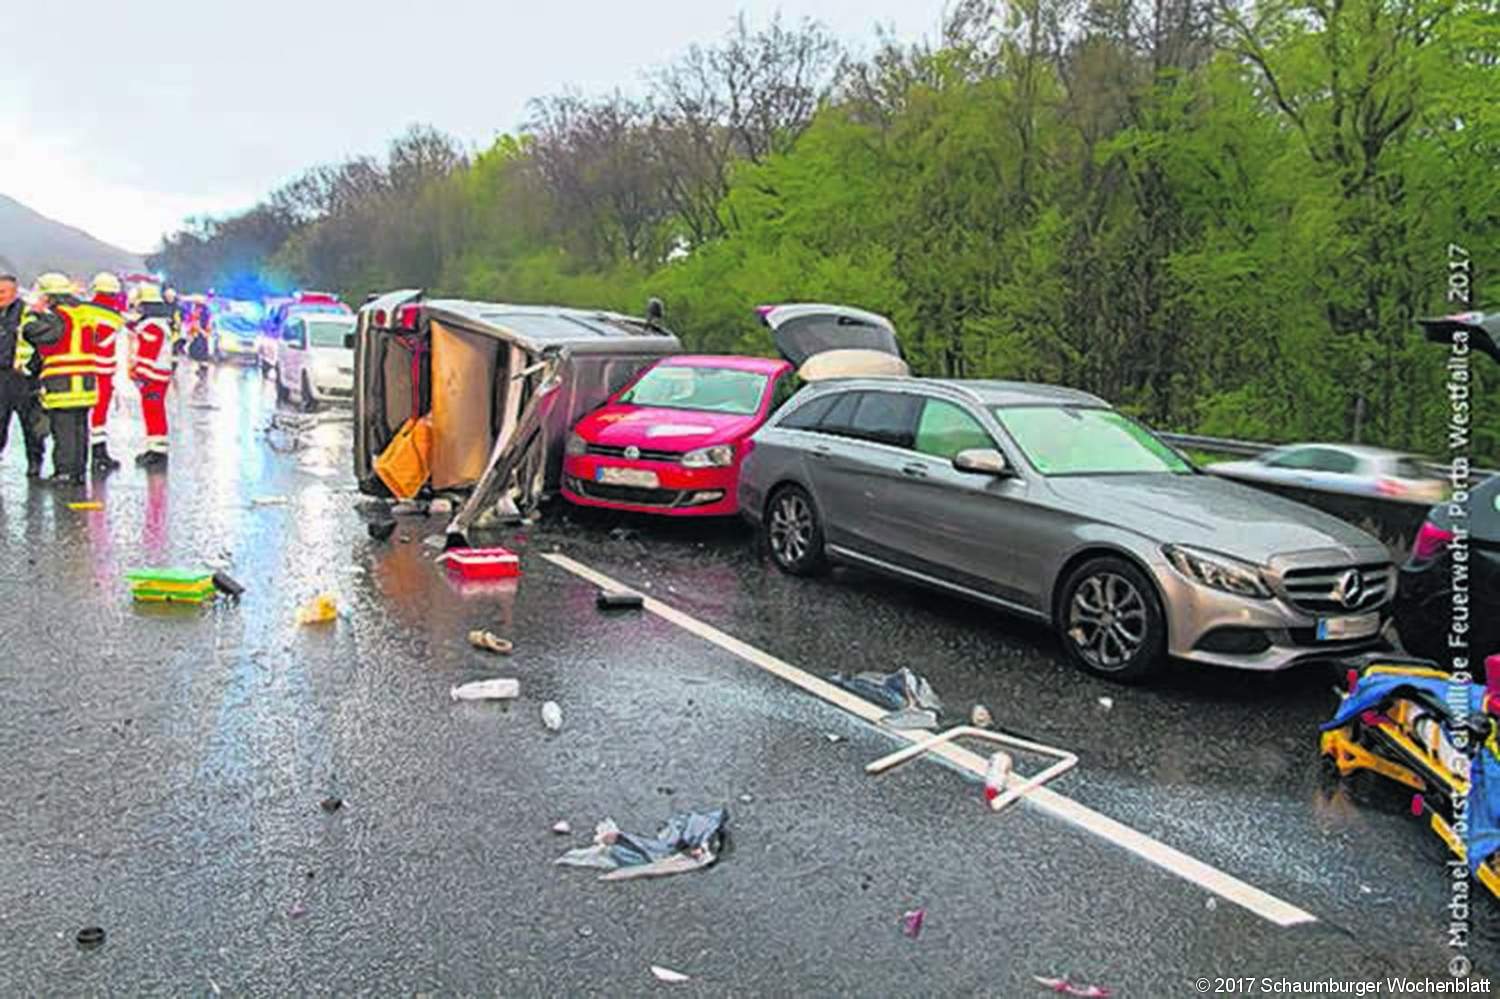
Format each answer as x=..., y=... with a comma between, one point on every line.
x=90, y=937
x=187, y=586
x=319, y=610
x=478, y=563
x=409, y=508
x=228, y=585
x=298, y=910
x=331, y=804
x=906, y=695
x=996, y=774
x=911, y=922
x=1106, y=703
x=619, y=600
x=1065, y=987
x=1016, y=789
x=833, y=737
x=552, y=716
x=562, y=827
x=490, y=642
x=440, y=506
x=689, y=841
x=980, y=717
x=668, y=975
x=381, y=530
x=270, y=501
x=86, y=505
x=498, y=689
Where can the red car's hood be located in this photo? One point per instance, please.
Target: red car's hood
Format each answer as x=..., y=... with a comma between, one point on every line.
x=622, y=425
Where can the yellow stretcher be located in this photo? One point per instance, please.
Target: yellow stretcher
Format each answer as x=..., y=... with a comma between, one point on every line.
x=1402, y=744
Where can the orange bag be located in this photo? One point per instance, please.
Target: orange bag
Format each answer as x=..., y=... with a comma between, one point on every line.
x=404, y=466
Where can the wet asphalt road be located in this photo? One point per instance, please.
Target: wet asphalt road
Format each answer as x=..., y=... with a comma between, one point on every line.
x=165, y=768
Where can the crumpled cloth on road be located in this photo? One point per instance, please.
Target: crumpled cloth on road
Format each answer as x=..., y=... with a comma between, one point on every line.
x=907, y=695
x=689, y=841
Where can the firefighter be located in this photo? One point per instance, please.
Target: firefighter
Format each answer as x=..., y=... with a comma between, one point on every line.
x=56, y=327
x=105, y=311
x=18, y=383
x=152, y=370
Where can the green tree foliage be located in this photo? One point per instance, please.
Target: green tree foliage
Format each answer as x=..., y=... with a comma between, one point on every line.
x=1222, y=215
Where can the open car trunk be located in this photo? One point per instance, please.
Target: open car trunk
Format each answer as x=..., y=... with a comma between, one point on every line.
x=834, y=341
x=501, y=384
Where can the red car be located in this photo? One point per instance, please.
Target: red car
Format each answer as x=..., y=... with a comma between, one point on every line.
x=672, y=440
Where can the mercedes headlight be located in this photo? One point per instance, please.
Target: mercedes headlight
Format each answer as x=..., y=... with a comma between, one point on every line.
x=1219, y=572
x=718, y=456
x=576, y=446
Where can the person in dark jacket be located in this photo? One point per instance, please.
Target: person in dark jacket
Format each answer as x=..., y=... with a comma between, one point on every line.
x=19, y=366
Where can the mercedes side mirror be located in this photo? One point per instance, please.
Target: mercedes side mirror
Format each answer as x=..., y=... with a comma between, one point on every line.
x=981, y=460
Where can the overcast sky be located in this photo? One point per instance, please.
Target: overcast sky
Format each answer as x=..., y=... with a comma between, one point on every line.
x=168, y=108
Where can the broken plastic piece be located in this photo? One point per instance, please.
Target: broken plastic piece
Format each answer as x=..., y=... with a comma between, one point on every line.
x=86, y=505
x=228, y=585
x=980, y=717
x=490, y=642
x=668, y=975
x=619, y=600
x=270, y=501
x=562, y=827
x=907, y=695
x=382, y=530
x=319, y=610
x=1066, y=987
x=480, y=563
x=440, y=506
x=552, y=716
x=298, y=910
x=1106, y=703
x=911, y=922
x=498, y=689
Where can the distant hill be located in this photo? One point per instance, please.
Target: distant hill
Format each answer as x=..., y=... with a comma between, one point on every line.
x=31, y=243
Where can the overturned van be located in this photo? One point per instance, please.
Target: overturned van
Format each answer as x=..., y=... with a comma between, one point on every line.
x=494, y=387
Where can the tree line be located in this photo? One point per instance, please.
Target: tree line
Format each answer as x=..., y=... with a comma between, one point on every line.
x=1222, y=215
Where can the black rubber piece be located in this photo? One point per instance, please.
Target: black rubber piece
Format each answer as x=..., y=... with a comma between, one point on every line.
x=619, y=600
x=90, y=936
x=332, y=804
x=228, y=585
x=382, y=530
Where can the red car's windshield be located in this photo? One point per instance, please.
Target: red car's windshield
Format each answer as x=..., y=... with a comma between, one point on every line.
x=714, y=390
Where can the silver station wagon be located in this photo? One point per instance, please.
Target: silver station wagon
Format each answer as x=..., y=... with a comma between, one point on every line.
x=1046, y=502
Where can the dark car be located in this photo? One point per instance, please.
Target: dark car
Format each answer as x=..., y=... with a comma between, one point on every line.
x=1425, y=594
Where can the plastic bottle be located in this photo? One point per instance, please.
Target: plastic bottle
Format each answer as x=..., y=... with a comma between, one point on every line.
x=500, y=689
x=995, y=776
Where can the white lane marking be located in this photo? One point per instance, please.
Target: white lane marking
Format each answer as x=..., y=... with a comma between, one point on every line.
x=1226, y=886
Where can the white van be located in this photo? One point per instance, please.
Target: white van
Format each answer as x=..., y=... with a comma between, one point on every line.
x=315, y=359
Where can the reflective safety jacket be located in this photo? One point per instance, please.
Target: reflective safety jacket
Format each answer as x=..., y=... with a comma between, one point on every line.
x=105, y=324
x=153, y=357
x=69, y=370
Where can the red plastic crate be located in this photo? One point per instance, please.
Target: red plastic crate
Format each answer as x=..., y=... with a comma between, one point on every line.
x=482, y=563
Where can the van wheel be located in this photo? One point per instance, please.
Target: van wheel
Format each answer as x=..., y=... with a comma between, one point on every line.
x=794, y=533
x=1111, y=621
x=309, y=404
x=282, y=395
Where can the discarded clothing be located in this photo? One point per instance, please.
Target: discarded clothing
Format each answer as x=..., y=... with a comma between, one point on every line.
x=907, y=695
x=689, y=841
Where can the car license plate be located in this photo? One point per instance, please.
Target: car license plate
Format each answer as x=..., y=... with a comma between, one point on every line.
x=1334, y=629
x=636, y=477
